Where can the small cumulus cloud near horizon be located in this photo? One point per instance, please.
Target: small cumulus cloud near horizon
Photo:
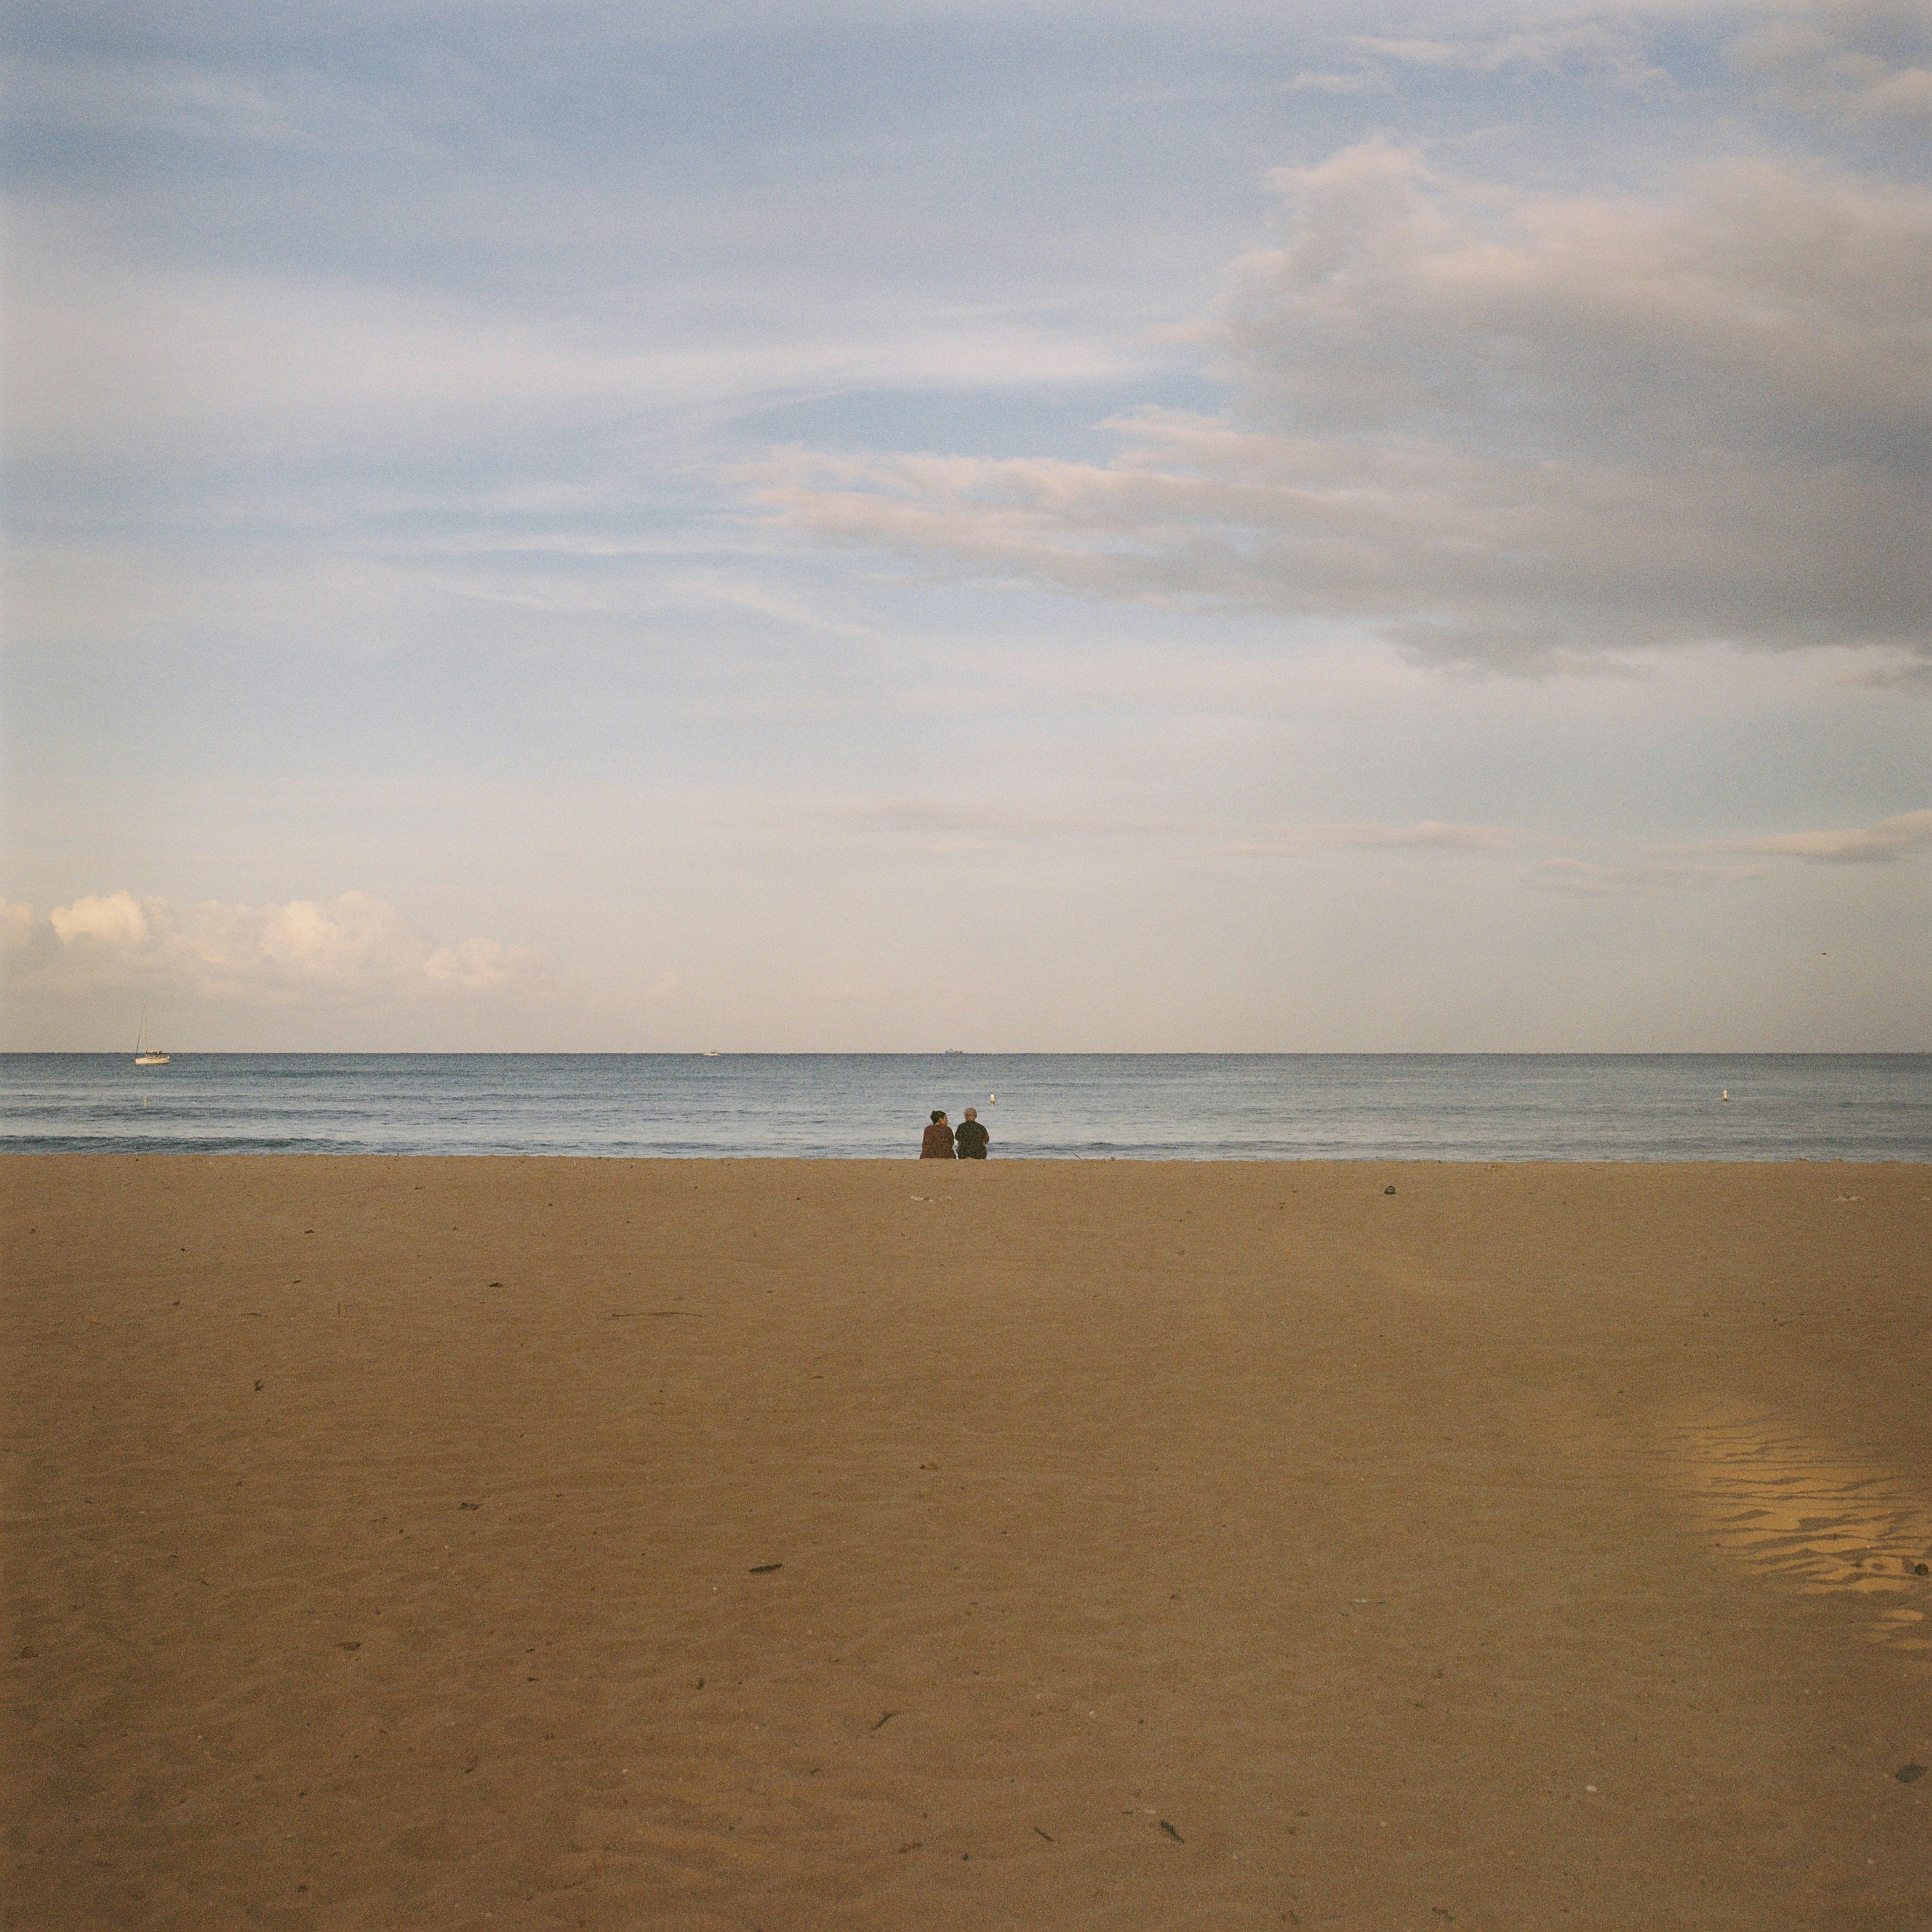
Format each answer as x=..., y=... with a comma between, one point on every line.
x=352, y=949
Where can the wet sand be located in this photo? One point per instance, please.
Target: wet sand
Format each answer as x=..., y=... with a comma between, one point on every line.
x=397, y=1543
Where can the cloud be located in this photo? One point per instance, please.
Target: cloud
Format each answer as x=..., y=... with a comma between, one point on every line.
x=114, y=361
x=1889, y=839
x=116, y=922
x=979, y=824
x=1914, y=679
x=1610, y=42
x=1582, y=878
x=1349, y=80
x=353, y=950
x=1427, y=835
x=975, y=824
x=1506, y=428
x=155, y=97
x=1865, y=61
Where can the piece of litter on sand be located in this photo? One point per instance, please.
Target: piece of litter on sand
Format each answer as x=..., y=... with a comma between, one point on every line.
x=1172, y=1833
x=1910, y=1774
x=765, y=1569
x=1388, y=1190
x=1046, y=1835
x=885, y=1721
x=464, y=1506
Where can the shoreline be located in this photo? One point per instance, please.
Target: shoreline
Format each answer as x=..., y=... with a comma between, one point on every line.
x=1562, y=1163
x=725, y=1542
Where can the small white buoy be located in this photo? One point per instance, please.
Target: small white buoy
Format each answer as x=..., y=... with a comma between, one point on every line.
x=1727, y=1093
x=992, y=1099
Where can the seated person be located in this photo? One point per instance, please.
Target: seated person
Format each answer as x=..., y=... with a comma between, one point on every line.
x=938, y=1143
x=970, y=1141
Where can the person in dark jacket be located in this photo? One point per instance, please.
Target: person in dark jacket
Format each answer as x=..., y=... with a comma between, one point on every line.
x=969, y=1141
x=937, y=1144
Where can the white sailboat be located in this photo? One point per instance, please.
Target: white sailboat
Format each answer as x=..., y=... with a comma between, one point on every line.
x=145, y=1055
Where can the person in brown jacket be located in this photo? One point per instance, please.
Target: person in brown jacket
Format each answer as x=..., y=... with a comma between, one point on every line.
x=937, y=1144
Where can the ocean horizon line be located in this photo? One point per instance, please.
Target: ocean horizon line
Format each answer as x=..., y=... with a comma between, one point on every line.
x=981, y=1053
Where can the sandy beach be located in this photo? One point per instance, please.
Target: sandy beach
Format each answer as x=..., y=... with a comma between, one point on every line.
x=761, y=1546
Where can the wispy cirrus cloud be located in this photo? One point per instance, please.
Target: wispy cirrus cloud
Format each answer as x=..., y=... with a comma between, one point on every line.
x=930, y=818
x=1861, y=61
x=1587, y=878
x=1866, y=61
x=1691, y=868
x=1888, y=840
x=1427, y=835
x=109, y=357
x=980, y=823
x=1611, y=41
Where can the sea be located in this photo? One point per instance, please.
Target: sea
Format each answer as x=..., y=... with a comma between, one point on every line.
x=1476, y=1107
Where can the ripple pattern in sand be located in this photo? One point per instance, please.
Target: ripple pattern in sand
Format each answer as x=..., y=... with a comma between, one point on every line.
x=1788, y=1504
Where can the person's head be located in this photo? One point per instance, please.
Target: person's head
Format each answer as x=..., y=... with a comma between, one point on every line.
x=972, y=1113
x=938, y=1114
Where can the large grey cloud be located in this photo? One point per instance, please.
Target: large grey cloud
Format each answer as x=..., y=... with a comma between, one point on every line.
x=1506, y=426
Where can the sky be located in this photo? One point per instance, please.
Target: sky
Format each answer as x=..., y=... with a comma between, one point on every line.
x=880, y=526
